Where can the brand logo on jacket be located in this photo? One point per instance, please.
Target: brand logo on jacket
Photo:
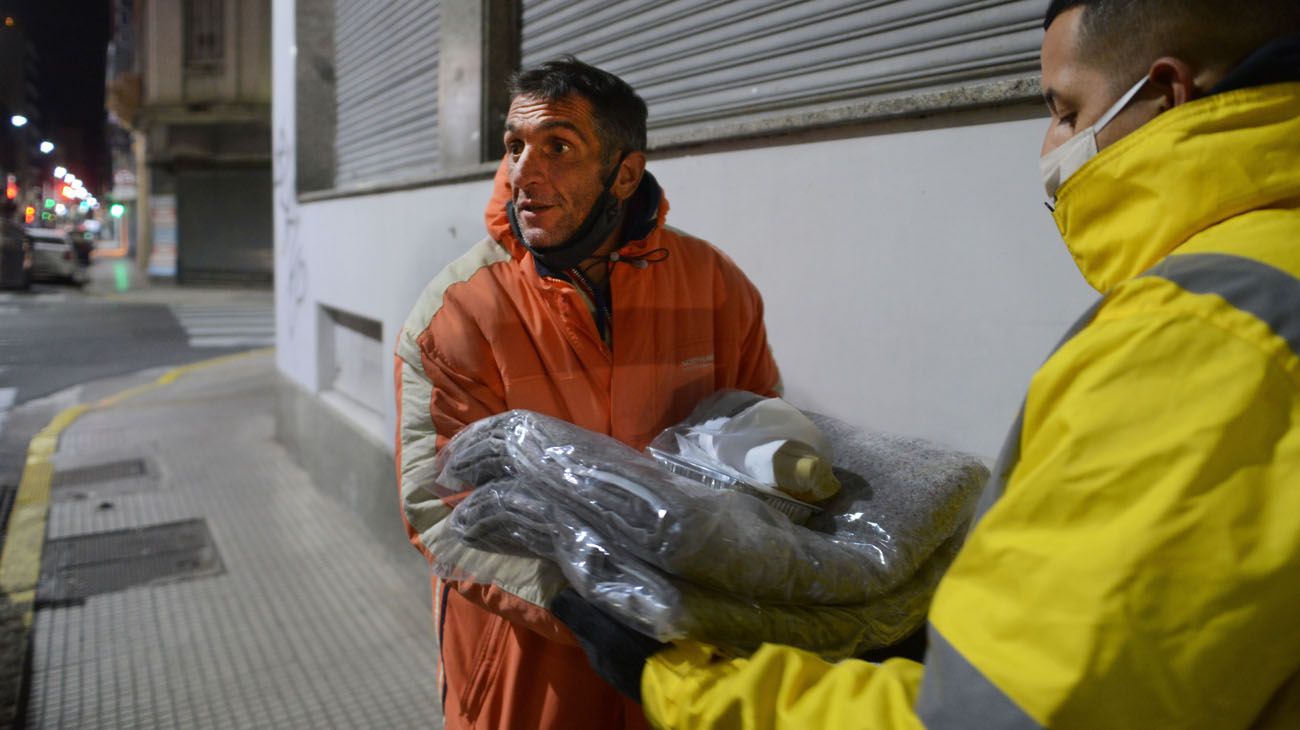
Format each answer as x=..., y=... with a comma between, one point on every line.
x=703, y=361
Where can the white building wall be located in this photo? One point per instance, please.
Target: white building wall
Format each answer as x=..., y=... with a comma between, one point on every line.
x=912, y=278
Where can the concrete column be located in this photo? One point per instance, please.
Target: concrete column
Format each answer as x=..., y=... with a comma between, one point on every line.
x=143, y=211
x=479, y=48
x=316, y=113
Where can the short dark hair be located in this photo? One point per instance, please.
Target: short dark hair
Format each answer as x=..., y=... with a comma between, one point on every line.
x=1124, y=36
x=619, y=112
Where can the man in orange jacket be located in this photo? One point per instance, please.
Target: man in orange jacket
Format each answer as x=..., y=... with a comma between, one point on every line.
x=580, y=304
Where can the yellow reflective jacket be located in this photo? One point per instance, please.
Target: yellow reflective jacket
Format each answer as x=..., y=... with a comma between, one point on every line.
x=1137, y=562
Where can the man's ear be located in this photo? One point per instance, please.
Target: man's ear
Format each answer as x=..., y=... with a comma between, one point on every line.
x=629, y=175
x=1176, y=81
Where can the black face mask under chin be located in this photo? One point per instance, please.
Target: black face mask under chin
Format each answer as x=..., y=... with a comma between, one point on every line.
x=599, y=223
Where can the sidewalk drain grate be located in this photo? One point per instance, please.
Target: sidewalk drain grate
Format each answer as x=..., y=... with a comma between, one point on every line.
x=100, y=472
x=76, y=568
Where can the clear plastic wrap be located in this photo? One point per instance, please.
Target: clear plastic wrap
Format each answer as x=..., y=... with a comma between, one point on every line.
x=675, y=558
x=731, y=442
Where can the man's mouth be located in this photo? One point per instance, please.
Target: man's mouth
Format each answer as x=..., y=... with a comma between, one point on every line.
x=532, y=206
x=532, y=214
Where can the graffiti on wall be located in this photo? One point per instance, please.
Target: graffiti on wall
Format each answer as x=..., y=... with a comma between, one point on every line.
x=293, y=261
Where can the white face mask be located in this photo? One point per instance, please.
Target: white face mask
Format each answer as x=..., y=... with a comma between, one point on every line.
x=1059, y=164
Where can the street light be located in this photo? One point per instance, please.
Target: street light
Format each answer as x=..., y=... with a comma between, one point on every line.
x=60, y=171
x=18, y=120
x=60, y=209
x=46, y=147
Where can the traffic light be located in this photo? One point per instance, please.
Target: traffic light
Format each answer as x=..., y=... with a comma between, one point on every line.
x=11, y=188
x=116, y=210
x=49, y=203
x=29, y=214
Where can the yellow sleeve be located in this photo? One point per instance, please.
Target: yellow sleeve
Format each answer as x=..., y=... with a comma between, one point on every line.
x=779, y=687
x=1142, y=569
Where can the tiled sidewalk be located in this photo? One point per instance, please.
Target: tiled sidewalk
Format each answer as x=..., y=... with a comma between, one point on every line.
x=303, y=622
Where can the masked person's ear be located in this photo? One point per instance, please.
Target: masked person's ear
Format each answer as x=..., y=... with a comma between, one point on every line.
x=1176, y=82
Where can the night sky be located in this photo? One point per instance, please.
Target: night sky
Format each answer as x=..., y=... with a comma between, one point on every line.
x=70, y=39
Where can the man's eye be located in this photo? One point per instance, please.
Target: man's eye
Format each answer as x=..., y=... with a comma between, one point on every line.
x=515, y=148
x=560, y=148
x=1068, y=120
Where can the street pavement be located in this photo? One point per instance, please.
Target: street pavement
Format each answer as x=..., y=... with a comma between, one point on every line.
x=168, y=563
x=55, y=336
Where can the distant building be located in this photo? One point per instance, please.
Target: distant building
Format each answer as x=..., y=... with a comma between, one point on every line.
x=18, y=96
x=191, y=80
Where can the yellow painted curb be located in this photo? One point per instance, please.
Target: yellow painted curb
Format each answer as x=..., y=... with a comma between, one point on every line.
x=20, y=562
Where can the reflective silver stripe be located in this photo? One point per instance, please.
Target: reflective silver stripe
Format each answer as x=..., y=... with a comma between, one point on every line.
x=1268, y=293
x=1007, y=460
x=1010, y=454
x=954, y=694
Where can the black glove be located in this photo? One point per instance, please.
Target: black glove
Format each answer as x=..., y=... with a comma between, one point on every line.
x=616, y=652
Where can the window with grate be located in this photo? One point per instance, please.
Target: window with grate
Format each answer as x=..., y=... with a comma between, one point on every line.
x=386, y=92
x=714, y=64
x=205, y=35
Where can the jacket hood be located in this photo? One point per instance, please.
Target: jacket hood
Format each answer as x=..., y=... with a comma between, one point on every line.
x=647, y=210
x=1186, y=170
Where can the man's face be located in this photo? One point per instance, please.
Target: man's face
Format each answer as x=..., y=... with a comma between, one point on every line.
x=556, y=170
x=1078, y=92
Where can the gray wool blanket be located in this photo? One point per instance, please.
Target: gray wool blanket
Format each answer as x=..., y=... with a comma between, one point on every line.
x=675, y=559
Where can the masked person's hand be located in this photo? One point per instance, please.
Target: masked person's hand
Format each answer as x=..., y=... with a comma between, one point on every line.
x=616, y=652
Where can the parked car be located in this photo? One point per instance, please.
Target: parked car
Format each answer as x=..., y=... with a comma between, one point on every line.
x=54, y=256
x=15, y=256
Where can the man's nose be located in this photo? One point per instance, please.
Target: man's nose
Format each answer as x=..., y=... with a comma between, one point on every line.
x=524, y=169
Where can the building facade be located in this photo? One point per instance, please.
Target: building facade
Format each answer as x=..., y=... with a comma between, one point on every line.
x=872, y=166
x=19, y=159
x=191, y=81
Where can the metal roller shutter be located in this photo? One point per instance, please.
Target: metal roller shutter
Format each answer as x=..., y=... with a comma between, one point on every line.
x=701, y=61
x=386, y=87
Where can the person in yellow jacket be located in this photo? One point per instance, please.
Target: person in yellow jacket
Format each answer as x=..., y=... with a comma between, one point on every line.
x=1136, y=559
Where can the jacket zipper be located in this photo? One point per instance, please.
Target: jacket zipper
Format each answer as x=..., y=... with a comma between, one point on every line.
x=589, y=288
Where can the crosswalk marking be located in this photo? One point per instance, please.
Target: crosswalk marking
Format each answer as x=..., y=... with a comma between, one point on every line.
x=227, y=325
x=40, y=298
x=6, y=402
x=232, y=341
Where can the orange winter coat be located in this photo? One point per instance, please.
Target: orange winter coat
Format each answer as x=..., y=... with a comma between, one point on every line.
x=489, y=334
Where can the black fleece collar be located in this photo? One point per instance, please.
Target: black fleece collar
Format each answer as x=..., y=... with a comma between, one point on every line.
x=1275, y=63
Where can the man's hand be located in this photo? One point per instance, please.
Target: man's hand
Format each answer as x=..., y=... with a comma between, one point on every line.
x=616, y=652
